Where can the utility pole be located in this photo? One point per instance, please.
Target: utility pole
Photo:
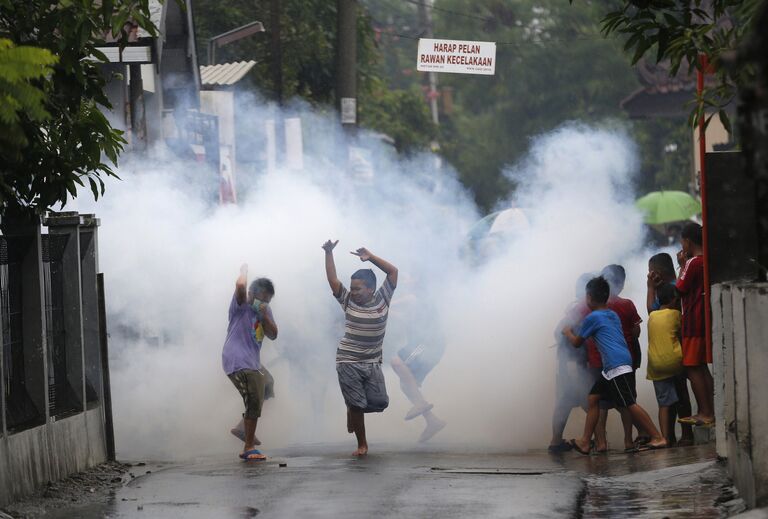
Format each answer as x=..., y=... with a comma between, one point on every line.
x=346, y=63
x=136, y=107
x=277, y=49
x=425, y=21
x=275, y=10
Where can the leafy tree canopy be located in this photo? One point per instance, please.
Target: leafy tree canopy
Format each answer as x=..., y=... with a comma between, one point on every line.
x=50, y=98
x=682, y=31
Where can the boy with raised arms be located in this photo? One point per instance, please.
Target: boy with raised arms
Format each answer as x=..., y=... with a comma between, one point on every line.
x=359, y=355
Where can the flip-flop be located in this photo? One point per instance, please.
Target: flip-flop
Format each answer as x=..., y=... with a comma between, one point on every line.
x=577, y=448
x=561, y=447
x=704, y=423
x=252, y=455
x=631, y=450
x=688, y=420
x=642, y=440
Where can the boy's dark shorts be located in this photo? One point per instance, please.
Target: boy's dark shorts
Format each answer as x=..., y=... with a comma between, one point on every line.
x=362, y=386
x=254, y=386
x=631, y=378
x=413, y=357
x=618, y=390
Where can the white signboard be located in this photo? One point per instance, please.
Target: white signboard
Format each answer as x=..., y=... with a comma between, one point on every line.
x=348, y=110
x=457, y=56
x=294, y=144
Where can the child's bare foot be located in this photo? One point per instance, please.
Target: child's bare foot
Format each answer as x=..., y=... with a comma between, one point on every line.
x=601, y=447
x=657, y=444
x=361, y=451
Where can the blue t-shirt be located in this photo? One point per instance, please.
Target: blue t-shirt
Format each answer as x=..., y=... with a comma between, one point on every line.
x=242, y=347
x=605, y=327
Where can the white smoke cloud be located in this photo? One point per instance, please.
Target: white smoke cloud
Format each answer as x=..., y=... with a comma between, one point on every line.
x=171, y=257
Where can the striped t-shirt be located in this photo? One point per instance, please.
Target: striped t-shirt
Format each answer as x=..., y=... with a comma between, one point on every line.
x=365, y=325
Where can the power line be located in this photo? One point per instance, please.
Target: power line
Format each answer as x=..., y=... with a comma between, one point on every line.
x=449, y=11
x=517, y=43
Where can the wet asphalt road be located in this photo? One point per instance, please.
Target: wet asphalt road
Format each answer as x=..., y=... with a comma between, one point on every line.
x=399, y=481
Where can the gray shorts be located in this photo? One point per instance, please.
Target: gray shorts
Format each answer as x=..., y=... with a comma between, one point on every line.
x=666, y=394
x=362, y=386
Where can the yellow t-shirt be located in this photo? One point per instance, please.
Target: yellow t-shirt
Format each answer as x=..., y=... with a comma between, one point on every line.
x=665, y=355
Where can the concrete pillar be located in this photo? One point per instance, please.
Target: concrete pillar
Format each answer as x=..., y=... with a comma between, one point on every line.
x=24, y=236
x=741, y=361
x=3, y=274
x=89, y=268
x=722, y=349
x=66, y=225
x=755, y=311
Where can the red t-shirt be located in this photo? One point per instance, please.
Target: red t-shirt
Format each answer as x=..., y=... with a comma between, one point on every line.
x=593, y=356
x=691, y=288
x=629, y=317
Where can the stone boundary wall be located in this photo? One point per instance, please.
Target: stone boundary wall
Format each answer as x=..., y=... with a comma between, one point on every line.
x=740, y=351
x=53, y=413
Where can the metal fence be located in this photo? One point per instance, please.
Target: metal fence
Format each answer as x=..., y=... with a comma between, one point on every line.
x=51, y=362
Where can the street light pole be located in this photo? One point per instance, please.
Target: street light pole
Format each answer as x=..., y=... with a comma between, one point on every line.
x=346, y=73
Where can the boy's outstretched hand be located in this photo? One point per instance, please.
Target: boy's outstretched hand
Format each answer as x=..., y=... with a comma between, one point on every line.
x=330, y=245
x=362, y=253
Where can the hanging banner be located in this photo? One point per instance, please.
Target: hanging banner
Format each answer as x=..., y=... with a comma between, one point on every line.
x=457, y=56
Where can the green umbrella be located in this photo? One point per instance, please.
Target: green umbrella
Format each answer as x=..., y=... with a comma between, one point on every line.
x=668, y=206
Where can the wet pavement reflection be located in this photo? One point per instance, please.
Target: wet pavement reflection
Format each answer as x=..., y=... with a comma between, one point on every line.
x=679, y=482
x=442, y=481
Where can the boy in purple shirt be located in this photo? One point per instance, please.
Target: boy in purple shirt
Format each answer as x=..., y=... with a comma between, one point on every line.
x=250, y=320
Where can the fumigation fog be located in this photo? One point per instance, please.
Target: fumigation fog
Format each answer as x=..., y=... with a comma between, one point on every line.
x=171, y=255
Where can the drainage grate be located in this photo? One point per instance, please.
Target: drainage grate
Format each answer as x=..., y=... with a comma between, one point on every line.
x=491, y=472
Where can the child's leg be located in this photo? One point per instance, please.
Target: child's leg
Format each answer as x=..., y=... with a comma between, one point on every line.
x=250, y=433
x=601, y=440
x=357, y=420
x=559, y=419
x=664, y=423
x=700, y=385
x=408, y=383
x=642, y=420
x=683, y=407
x=626, y=423
x=593, y=415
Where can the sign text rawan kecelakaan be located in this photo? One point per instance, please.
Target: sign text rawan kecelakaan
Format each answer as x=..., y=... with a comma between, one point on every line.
x=460, y=57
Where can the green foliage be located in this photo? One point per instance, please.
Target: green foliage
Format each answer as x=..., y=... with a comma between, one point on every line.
x=667, y=146
x=681, y=32
x=61, y=139
x=553, y=65
x=401, y=114
x=19, y=68
x=308, y=36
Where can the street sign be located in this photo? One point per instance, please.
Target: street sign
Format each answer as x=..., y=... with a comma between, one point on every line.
x=457, y=56
x=348, y=110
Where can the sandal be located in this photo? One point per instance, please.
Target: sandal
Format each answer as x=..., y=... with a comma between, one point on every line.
x=252, y=455
x=578, y=449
